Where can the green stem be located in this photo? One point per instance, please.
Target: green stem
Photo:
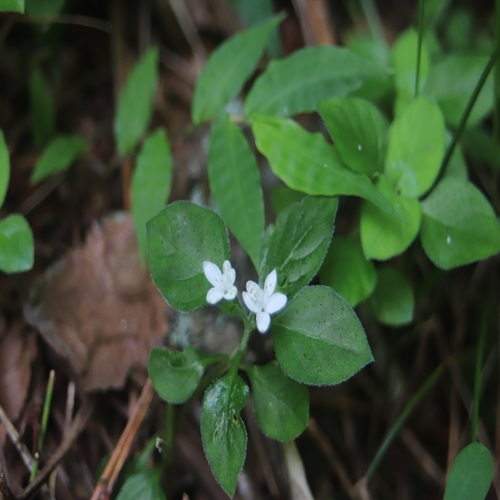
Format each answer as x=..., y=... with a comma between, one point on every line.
x=241, y=350
x=421, y=13
x=373, y=19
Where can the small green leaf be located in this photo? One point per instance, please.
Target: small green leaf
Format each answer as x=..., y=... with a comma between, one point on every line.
x=235, y=183
x=58, y=156
x=299, y=82
x=306, y=162
x=145, y=485
x=135, y=105
x=281, y=405
x=299, y=242
x=459, y=226
x=384, y=235
x=415, y=147
x=4, y=168
x=16, y=245
x=228, y=68
x=223, y=431
x=471, y=474
x=43, y=117
x=347, y=271
x=175, y=375
x=358, y=130
x=180, y=238
x=12, y=6
x=392, y=301
x=318, y=338
x=151, y=183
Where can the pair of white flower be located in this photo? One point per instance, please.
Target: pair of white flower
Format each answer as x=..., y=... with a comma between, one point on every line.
x=261, y=301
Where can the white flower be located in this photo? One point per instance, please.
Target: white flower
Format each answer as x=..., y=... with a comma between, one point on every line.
x=264, y=302
x=223, y=282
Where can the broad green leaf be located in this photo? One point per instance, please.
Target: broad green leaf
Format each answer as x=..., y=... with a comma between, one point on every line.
x=456, y=165
x=281, y=405
x=58, y=156
x=471, y=474
x=384, y=235
x=358, y=131
x=145, y=485
x=228, y=68
x=459, y=226
x=43, y=8
x=12, y=6
x=4, y=168
x=16, y=245
x=452, y=82
x=235, y=183
x=43, y=117
x=299, y=82
x=151, y=183
x=306, y=162
x=347, y=271
x=480, y=145
x=392, y=301
x=175, y=375
x=318, y=339
x=282, y=196
x=180, y=238
x=222, y=429
x=415, y=147
x=299, y=242
x=135, y=105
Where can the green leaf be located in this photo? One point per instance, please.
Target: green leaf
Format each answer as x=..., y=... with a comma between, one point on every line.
x=235, y=183
x=318, y=338
x=471, y=474
x=58, y=156
x=227, y=69
x=4, y=168
x=43, y=117
x=222, y=430
x=145, y=485
x=306, y=162
x=16, y=245
x=358, y=130
x=12, y=6
x=299, y=82
x=176, y=375
x=392, y=301
x=415, y=147
x=281, y=405
x=459, y=226
x=151, y=183
x=299, y=242
x=384, y=235
x=347, y=271
x=180, y=238
x=282, y=196
x=135, y=105
x=451, y=83
x=44, y=8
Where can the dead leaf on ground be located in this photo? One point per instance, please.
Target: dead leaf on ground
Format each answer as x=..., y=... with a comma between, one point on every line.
x=99, y=309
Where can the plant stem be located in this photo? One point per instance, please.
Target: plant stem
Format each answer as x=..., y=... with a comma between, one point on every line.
x=421, y=12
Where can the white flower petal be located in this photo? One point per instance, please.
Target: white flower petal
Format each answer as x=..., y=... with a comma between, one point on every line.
x=249, y=301
x=231, y=293
x=212, y=273
x=263, y=321
x=275, y=303
x=270, y=283
x=214, y=295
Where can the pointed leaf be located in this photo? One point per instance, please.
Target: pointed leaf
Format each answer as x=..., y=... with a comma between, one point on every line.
x=299, y=82
x=318, y=338
x=306, y=162
x=42, y=109
x=4, y=168
x=151, y=183
x=299, y=242
x=384, y=235
x=58, y=156
x=235, y=183
x=135, y=105
x=223, y=431
x=16, y=245
x=145, y=485
x=281, y=405
x=358, y=131
x=415, y=147
x=471, y=474
x=180, y=238
x=459, y=226
x=228, y=68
